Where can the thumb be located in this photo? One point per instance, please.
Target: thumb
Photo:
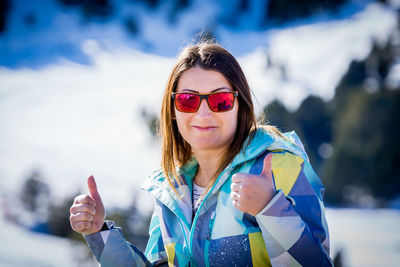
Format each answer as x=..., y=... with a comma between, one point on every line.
x=266, y=172
x=93, y=188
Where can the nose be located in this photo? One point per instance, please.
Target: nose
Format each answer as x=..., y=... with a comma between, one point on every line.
x=204, y=110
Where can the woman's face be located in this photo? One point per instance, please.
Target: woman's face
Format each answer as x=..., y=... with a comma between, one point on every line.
x=205, y=129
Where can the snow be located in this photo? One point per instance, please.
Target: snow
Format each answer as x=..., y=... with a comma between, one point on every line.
x=366, y=237
x=315, y=56
x=71, y=120
x=21, y=247
x=290, y=62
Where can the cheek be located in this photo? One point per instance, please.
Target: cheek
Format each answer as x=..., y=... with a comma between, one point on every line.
x=230, y=125
x=234, y=125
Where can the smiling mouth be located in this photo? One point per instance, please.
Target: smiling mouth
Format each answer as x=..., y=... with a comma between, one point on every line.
x=204, y=128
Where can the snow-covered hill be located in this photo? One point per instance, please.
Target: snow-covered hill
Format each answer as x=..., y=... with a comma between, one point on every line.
x=22, y=248
x=70, y=120
x=365, y=238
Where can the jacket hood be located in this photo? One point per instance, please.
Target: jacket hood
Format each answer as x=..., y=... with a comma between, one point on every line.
x=265, y=140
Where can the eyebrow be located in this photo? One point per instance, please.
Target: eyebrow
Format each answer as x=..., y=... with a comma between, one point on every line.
x=215, y=90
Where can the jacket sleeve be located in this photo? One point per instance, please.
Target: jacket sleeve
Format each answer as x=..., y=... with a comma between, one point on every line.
x=110, y=247
x=293, y=223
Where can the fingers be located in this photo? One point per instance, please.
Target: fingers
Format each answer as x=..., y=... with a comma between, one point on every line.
x=81, y=217
x=266, y=172
x=81, y=226
x=250, y=193
x=87, y=211
x=235, y=187
x=235, y=204
x=93, y=188
x=235, y=196
x=236, y=200
x=238, y=181
x=236, y=178
x=244, y=183
x=240, y=177
x=80, y=221
x=82, y=213
x=83, y=208
x=85, y=199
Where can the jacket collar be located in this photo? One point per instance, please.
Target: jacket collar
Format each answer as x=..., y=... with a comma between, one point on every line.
x=263, y=140
x=158, y=186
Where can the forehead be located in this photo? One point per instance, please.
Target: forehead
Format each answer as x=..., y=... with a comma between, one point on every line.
x=202, y=80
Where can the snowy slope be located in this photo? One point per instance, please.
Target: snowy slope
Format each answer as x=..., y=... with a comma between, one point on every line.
x=70, y=120
x=20, y=248
x=365, y=237
x=315, y=56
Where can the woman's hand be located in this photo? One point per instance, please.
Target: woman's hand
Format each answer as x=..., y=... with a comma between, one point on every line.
x=251, y=193
x=87, y=211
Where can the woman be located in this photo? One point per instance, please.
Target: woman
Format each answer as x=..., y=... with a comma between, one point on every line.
x=229, y=192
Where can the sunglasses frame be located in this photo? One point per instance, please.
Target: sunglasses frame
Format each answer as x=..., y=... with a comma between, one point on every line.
x=205, y=96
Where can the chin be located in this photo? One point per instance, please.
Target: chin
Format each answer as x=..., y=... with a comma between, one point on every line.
x=207, y=146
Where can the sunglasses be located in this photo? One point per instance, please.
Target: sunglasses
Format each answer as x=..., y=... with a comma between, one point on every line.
x=217, y=102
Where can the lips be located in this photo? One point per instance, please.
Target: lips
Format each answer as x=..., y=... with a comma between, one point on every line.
x=204, y=128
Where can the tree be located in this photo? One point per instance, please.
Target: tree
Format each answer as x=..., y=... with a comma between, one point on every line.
x=313, y=121
x=366, y=129
x=35, y=195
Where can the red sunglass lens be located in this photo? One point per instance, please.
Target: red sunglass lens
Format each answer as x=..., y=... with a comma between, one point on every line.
x=187, y=102
x=221, y=101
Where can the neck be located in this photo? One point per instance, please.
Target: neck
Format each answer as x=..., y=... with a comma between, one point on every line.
x=208, y=164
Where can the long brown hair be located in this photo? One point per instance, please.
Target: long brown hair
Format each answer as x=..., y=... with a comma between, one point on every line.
x=175, y=150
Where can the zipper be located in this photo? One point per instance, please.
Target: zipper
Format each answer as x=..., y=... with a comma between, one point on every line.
x=196, y=215
x=207, y=245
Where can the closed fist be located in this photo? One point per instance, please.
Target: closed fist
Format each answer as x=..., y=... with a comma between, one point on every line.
x=251, y=193
x=87, y=211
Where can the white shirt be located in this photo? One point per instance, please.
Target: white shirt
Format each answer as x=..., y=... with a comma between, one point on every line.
x=198, y=192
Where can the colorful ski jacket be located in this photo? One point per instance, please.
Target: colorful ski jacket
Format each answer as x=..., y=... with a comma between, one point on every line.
x=290, y=231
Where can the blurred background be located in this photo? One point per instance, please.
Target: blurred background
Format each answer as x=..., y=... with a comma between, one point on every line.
x=81, y=84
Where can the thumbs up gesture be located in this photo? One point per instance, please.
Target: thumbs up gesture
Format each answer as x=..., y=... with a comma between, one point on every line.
x=251, y=193
x=87, y=211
